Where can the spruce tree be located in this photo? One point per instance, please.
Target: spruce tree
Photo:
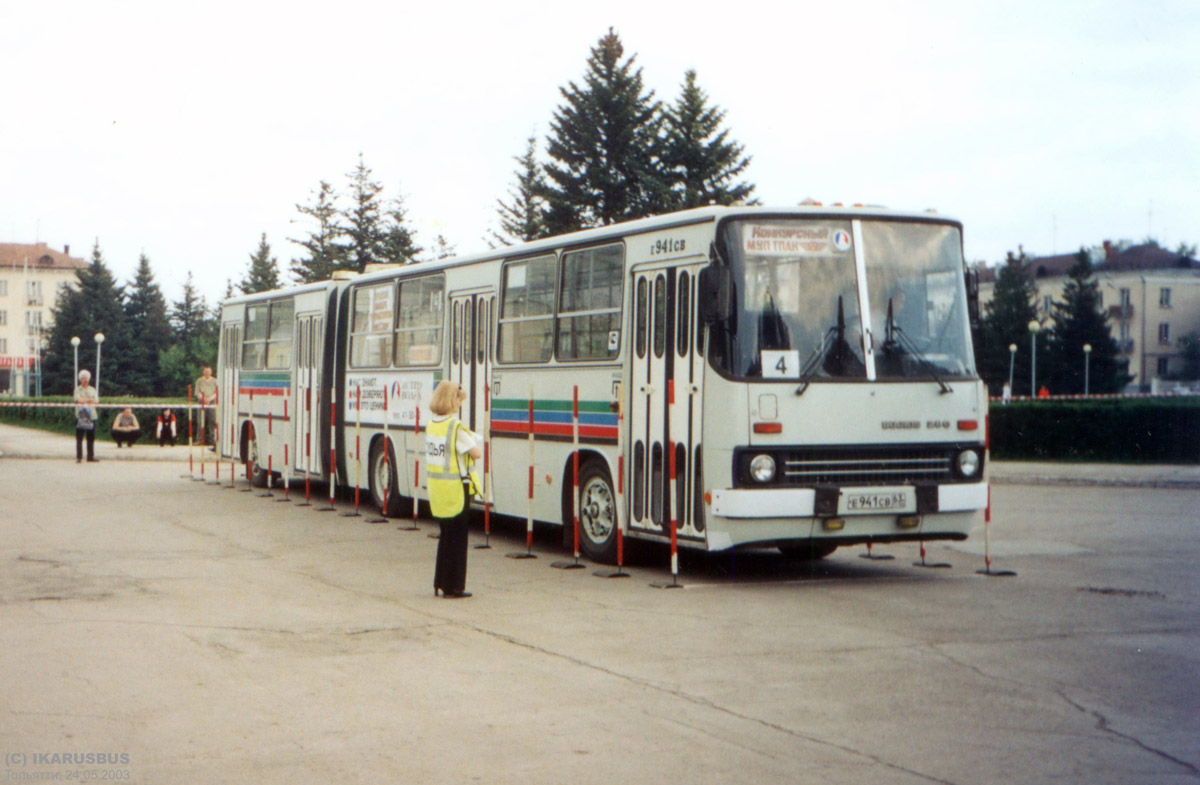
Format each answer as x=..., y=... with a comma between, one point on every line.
x=365, y=232
x=702, y=161
x=150, y=331
x=604, y=146
x=1079, y=320
x=323, y=243
x=195, y=340
x=399, y=240
x=1006, y=322
x=263, y=273
x=70, y=320
x=523, y=218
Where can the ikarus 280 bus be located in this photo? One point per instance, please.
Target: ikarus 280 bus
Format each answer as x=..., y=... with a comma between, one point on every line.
x=807, y=370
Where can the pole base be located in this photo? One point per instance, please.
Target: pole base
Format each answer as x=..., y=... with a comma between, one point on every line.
x=618, y=574
x=330, y=508
x=522, y=555
x=283, y=499
x=266, y=495
x=303, y=504
x=937, y=565
x=989, y=572
x=412, y=527
x=352, y=514
x=674, y=584
x=567, y=565
x=877, y=556
x=377, y=520
x=483, y=547
x=214, y=482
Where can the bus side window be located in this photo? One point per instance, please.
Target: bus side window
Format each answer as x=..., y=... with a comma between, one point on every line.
x=419, y=325
x=660, y=315
x=589, y=312
x=684, y=313
x=526, y=330
x=254, y=346
x=279, y=336
x=642, y=303
x=371, y=326
x=455, y=326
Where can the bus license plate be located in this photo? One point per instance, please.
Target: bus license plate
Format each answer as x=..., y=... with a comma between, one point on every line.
x=890, y=500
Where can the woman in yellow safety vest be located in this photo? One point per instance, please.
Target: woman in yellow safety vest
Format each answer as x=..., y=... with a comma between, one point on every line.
x=450, y=448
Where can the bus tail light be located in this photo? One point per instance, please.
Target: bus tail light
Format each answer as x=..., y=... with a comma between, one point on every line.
x=968, y=425
x=768, y=427
x=908, y=521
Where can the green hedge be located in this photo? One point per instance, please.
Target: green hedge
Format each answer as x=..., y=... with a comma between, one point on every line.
x=1120, y=430
x=62, y=419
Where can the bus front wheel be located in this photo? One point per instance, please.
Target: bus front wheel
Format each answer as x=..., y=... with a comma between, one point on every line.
x=383, y=478
x=597, y=514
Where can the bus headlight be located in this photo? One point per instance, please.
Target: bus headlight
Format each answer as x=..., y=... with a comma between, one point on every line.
x=762, y=468
x=968, y=463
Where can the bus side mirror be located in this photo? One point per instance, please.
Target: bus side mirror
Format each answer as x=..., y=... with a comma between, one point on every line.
x=715, y=293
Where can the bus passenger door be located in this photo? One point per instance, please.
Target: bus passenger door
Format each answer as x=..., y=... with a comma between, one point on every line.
x=665, y=404
x=227, y=395
x=306, y=402
x=471, y=322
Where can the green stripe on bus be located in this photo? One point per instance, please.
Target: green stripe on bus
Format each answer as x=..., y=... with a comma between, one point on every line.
x=550, y=405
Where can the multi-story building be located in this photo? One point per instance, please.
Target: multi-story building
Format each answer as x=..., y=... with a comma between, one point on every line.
x=1152, y=297
x=30, y=278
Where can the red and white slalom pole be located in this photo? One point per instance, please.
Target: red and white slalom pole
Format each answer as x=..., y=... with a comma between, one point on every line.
x=487, y=468
x=287, y=458
x=528, y=554
x=416, y=465
x=332, y=451
x=574, y=565
x=307, y=449
x=191, y=452
x=357, y=454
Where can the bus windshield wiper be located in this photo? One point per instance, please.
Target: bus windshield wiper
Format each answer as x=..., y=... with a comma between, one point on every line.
x=838, y=335
x=894, y=331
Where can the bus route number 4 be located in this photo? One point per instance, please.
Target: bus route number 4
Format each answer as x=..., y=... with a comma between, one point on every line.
x=778, y=364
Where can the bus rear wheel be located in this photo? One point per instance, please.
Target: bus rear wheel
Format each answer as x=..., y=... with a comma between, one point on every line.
x=597, y=514
x=383, y=478
x=258, y=474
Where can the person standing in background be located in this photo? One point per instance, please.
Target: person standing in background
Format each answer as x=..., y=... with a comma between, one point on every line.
x=206, y=391
x=87, y=402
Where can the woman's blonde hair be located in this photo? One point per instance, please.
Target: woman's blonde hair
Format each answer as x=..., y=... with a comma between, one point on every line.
x=447, y=397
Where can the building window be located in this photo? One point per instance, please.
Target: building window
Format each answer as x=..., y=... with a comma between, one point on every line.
x=3, y=287
x=1164, y=297
x=1126, y=300
x=1164, y=365
x=1124, y=331
x=3, y=346
x=3, y=318
x=1164, y=333
x=33, y=318
x=1047, y=305
x=34, y=291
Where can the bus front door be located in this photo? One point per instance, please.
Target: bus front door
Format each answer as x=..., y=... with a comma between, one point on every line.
x=665, y=404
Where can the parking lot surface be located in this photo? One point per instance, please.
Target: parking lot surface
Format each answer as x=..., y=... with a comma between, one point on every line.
x=199, y=633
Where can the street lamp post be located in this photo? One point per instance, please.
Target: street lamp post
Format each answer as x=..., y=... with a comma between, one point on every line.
x=75, y=343
x=1012, y=358
x=1033, y=331
x=99, y=343
x=1087, y=361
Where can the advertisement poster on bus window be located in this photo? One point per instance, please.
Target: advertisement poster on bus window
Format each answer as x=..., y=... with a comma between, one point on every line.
x=793, y=240
x=404, y=392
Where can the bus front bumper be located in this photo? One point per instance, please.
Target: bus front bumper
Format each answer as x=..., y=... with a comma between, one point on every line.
x=777, y=503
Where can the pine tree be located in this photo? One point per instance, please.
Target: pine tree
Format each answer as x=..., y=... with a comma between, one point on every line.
x=702, y=161
x=195, y=340
x=1005, y=323
x=1079, y=320
x=604, y=146
x=365, y=232
x=523, y=218
x=442, y=248
x=150, y=331
x=323, y=243
x=399, y=240
x=263, y=274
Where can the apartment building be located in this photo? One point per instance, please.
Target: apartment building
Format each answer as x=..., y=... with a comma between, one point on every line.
x=1152, y=297
x=30, y=277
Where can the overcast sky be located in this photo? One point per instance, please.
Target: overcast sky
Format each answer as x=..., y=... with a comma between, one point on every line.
x=185, y=131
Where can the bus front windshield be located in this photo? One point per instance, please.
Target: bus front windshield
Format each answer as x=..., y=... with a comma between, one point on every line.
x=799, y=305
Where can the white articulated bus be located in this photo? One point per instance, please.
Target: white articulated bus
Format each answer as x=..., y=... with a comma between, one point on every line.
x=810, y=368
